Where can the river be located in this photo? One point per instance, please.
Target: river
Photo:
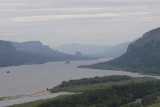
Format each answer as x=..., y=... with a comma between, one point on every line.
x=29, y=79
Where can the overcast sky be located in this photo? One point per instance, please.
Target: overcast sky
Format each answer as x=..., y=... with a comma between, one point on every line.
x=56, y=22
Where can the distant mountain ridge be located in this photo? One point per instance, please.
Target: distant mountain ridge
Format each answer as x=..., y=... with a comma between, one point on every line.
x=34, y=47
x=6, y=46
x=142, y=56
x=85, y=49
x=116, y=50
x=33, y=52
x=9, y=56
x=95, y=50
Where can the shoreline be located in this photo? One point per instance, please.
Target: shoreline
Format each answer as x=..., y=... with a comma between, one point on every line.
x=32, y=97
x=37, y=94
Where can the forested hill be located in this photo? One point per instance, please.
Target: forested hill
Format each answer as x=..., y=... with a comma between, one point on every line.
x=11, y=56
x=142, y=56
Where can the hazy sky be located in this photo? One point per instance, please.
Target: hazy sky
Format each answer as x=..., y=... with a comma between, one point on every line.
x=55, y=22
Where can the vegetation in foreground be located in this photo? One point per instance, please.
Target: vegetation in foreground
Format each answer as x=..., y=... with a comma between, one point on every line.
x=87, y=84
x=38, y=102
x=115, y=96
x=121, y=94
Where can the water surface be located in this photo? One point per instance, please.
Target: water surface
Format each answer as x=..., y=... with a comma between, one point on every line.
x=29, y=79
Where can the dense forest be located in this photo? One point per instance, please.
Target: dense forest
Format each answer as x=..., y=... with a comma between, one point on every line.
x=94, y=80
x=87, y=84
x=122, y=91
x=115, y=96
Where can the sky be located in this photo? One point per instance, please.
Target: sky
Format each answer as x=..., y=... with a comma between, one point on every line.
x=57, y=22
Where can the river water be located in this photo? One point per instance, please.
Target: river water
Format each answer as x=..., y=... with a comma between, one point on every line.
x=29, y=79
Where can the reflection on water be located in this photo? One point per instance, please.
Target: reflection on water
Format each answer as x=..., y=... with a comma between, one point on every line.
x=29, y=79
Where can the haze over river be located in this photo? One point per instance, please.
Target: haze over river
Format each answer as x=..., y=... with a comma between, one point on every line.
x=29, y=79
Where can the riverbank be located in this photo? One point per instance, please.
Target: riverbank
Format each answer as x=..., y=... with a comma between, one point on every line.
x=23, y=96
x=28, y=98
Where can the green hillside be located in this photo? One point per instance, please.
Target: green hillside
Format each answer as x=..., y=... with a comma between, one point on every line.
x=142, y=56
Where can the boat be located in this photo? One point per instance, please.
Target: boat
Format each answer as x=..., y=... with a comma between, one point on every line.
x=67, y=62
x=8, y=72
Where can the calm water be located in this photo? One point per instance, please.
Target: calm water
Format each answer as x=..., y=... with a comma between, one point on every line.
x=29, y=79
x=5, y=103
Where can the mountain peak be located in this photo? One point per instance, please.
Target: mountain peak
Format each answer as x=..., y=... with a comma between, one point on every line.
x=6, y=46
x=150, y=36
x=32, y=43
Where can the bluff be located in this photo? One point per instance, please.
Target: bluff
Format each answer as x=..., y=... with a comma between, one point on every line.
x=34, y=52
x=36, y=47
x=9, y=56
x=142, y=56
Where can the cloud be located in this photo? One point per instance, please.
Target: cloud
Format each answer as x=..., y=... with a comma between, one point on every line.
x=74, y=16
x=79, y=19
x=62, y=17
x=56, y=9
x=6, y=34
x=39, y=4
x=10, y=34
